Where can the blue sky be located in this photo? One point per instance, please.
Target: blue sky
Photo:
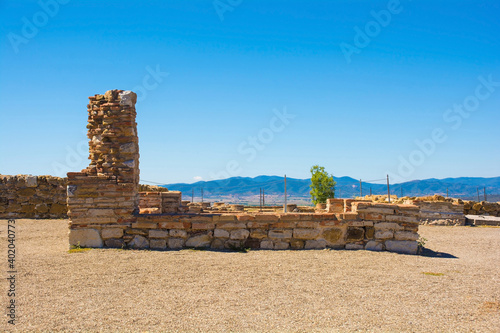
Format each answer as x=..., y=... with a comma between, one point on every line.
x=244, y=88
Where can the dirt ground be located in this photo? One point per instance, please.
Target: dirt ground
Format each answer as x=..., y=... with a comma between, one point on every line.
x=454, y=287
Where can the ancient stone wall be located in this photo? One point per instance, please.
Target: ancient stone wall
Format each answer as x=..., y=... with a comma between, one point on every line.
x=482, y=208
x=106, y=192
x=104, y=202
x=24, y=196
x=441, y=212
x=374, y=227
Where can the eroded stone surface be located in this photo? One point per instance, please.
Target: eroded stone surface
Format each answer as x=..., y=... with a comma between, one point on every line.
x=199, y=241
x=85, y=238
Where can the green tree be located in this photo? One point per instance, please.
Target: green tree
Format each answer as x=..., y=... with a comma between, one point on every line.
x=322, y=185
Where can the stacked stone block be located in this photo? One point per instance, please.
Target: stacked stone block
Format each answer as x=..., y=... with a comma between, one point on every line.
x=103, y=199
x=441, y=213
x=386, y=227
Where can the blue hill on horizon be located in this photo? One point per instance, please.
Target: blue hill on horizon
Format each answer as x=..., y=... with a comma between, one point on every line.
x=462, y=187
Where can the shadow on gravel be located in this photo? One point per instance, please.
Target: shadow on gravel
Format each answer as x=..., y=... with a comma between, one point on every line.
x=433, y=254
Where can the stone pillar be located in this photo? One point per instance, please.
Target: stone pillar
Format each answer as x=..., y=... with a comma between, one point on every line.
x=103, y=198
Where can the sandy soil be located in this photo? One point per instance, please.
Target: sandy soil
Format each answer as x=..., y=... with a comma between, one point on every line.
x=279, y=291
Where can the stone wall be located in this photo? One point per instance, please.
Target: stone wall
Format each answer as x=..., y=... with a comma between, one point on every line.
x=104, y=205
x=106, y=192
x=41, y=197
x=24, y=196
x=371, y=227
x=482, y=208
x=441, y=213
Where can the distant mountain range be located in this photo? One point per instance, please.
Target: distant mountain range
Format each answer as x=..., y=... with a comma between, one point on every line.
x=463, y=187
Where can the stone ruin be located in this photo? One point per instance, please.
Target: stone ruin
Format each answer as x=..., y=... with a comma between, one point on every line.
x=106, y=209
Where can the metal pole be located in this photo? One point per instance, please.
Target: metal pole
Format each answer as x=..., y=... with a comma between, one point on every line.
x=285, y=210
x=260, y=199
x=388, y=190
x=202, y=194
x=484, y=189
x=263, y=198
x=360, y=188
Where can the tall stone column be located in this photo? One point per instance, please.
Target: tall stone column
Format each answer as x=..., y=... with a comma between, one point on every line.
x=103, y=198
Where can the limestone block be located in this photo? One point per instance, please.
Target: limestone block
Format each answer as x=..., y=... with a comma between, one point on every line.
x=384, y=234
x=128, y=148
x=199, y=241
x=296, y=244
x=281, y=245
x=333, y=235
x=221, y=233
x=406, y=247
x=100, y=212
x=175, y=243
x=315, y=244
x=85, y=238
x=111, y=233
x=233, y=244
x=139, y=242
x=239, y=234
x=178, y=233
x=374, y=246
x=258, y=233
x=217, y=244
x=306, y=233
x=387, y=226
x=267, y=245
x=158, y=244
x=405, y=235
x=128, y=98
x=369, y=232
x=280, y=234
x=155, y=233
x=355, y=233
x=114, y=243
x=41, y=208
x=353, y=246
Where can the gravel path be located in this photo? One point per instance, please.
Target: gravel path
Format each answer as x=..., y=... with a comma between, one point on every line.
x=278, y=291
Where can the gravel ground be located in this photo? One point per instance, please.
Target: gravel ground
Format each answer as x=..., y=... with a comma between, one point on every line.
x=281, y=291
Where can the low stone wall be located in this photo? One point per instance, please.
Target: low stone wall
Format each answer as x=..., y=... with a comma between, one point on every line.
x=160, y=202
x=482, y=208
x=24, y=196
x=43, y=197
x=374, y=227
x=441, y=213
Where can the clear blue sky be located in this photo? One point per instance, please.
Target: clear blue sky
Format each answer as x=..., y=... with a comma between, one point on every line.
x=232, y=65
